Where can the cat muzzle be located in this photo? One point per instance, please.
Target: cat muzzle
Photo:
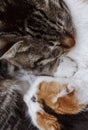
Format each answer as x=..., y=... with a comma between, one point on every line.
x=69, y=41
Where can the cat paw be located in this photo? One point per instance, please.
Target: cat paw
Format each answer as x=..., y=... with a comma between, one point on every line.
x=60, y=97
x=47, y=121
x=41, y=119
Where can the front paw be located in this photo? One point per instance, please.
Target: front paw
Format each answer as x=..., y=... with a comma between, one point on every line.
x=41, y=119
x=47, y=121
x=60, y=97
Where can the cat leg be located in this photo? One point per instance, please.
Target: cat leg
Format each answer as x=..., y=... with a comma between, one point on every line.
x=47, y=121
x=60, y=97
x=41, y=119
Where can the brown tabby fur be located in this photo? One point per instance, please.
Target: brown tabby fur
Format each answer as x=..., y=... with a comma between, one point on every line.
x=33, y=36
x=41, y=34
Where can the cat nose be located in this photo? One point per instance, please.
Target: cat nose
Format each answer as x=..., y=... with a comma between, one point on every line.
x=69, y=41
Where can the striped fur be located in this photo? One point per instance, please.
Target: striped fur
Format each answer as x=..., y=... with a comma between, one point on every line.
x=13, y=114
x=42, y=31
x=34, y=34
x=78, y=82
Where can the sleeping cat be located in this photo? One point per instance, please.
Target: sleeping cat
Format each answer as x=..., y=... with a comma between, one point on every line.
x=34, y=34
x=47, y=28
x=66, y=95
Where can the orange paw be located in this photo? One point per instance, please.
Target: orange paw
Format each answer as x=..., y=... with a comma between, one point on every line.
x=68, y=104
x=58, y=97
x=47, y=122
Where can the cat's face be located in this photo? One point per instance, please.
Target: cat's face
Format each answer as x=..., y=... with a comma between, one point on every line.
x=51, y=20
x=49, y=34
x=44, y=19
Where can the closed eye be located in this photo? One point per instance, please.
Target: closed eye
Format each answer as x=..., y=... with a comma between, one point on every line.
x=51, y=43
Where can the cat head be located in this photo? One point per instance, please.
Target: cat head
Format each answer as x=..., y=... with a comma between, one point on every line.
x=52, y=21
x=46, y=34
x=56, y=21
x=44, y=19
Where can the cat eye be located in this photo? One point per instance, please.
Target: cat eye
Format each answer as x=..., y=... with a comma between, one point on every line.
x=54, y=43
x=51, y=43
x=64, y=30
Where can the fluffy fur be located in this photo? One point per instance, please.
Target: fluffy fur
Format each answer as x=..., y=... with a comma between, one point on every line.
x=34, y=34
x=41, y=33
x=69, y=89
x=74, y=77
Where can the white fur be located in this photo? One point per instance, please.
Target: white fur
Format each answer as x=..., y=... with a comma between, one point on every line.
x=79, y=54
x=74, y=68
x=79, y=11
x=69, y=71
x=33, y=108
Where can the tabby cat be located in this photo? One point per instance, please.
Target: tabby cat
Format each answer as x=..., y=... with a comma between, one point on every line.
x=41, y=32
x=34, y=35
x=66, y=95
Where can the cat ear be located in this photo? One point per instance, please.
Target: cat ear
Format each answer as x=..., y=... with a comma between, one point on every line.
x=8, y=49
x=6, y=42
x=10, y=53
